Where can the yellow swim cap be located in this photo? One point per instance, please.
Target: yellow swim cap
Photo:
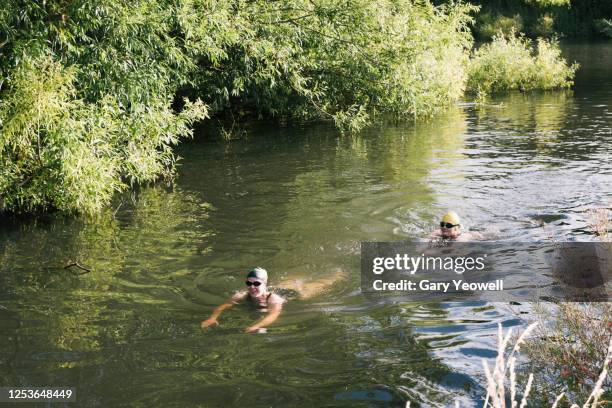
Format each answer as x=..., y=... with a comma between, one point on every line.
x=451, y=217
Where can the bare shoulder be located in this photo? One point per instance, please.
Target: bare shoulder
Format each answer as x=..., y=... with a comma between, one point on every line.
x=470, y=236
x=477, y=235
x=275, y=299
x=434, y=234
x=239, y=296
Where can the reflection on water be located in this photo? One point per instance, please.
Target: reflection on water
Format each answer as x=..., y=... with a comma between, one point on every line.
x=298, y=201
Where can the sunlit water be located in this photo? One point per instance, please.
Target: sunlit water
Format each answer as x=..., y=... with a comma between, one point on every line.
x=298, y=201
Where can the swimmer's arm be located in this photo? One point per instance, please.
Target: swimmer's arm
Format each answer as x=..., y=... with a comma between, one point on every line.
x=212, y=320
x=474, y=235
x=434, y=235
x=275, y=311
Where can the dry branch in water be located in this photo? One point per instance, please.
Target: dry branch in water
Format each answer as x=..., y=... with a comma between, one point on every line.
x=78, y=265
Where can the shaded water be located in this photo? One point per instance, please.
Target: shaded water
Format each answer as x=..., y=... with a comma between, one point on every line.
x=298, y=201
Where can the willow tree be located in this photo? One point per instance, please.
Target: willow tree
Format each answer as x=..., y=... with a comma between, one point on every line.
x=89, y=89
x=345, y=60
x=86, y=100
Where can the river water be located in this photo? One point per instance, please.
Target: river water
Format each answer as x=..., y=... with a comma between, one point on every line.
x=298, y=201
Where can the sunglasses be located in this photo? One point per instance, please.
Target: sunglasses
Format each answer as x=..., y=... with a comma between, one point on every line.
x=447, y=225
x=248, y=283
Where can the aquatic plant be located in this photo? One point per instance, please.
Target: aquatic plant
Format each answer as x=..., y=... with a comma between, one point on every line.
x=572, y=339
x=511, y=62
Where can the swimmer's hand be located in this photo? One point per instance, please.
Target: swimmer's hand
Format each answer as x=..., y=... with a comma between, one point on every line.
x=209, y=322
x=253, y=329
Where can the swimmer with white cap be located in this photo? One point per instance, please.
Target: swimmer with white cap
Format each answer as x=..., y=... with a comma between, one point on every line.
x=450, y=228
x=269, y=301
x=258, y=294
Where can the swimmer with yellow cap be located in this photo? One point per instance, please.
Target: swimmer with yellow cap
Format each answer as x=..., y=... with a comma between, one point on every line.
x=450, y=228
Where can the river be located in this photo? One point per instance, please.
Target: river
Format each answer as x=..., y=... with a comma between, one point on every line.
x=298, y=201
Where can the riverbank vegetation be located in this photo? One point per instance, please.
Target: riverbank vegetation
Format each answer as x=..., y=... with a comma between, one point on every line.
x=570, y=352
x=94, y=95
x=505, y=387
x=86, y=101
x=512, y=62
x=543, y=18
x=567, y=356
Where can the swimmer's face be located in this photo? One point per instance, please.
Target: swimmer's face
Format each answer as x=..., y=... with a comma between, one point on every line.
x=452, y=232
x=255, y=290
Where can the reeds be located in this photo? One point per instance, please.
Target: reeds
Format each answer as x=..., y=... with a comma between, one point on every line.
x=503, y=390
x=570, y=346
x=504, y=372
x=496, y=379
x=599, y=222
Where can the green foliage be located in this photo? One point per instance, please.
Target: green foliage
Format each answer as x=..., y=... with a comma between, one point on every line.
x=490, y=24
x=604, y=26
x=100, y=77
x=59, y=151
x=91, y=91
x=544, y=26
x=348, y=61
x=86, y=101
x=548, y=3
x=511, y=63
x=570, y=18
